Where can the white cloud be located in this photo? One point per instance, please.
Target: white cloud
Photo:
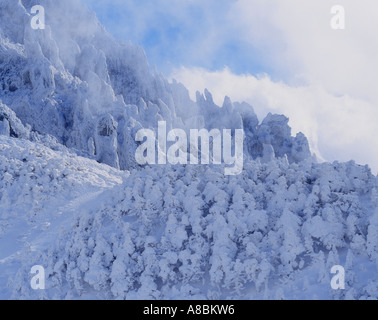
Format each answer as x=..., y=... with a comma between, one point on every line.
x=330, y=76
x=338, y=128
x=298, y=40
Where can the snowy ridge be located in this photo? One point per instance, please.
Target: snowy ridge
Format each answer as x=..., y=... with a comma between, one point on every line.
x=77, y=83
x=73, y=199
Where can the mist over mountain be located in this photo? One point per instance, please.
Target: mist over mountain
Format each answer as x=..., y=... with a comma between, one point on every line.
x=74, y=200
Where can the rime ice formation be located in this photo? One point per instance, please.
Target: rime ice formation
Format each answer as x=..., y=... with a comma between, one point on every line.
x=79, y=85
x=74, y=200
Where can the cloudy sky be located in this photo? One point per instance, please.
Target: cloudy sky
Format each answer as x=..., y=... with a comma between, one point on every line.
x=281, y=56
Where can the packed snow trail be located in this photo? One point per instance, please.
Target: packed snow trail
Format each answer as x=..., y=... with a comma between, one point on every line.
x=30, y=221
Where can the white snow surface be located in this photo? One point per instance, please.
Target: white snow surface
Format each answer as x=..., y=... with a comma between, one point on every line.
x=73, y=199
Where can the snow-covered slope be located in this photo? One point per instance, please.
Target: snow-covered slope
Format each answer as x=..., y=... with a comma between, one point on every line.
x=40, y=190
x=184, y=232
x=71, y=102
